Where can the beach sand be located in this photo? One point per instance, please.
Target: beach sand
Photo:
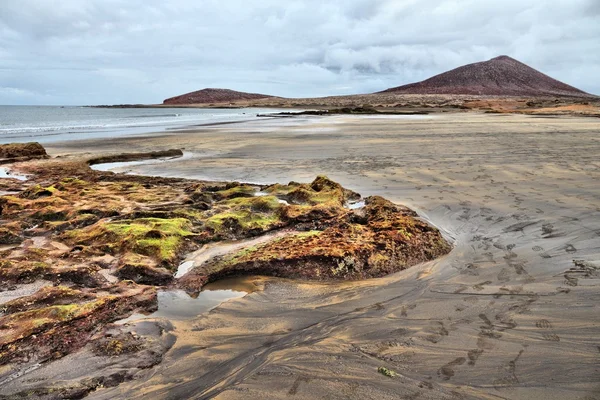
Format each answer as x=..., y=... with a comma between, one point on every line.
x=512, y=312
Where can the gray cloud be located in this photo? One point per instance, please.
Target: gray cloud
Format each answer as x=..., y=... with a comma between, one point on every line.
x=123, y=51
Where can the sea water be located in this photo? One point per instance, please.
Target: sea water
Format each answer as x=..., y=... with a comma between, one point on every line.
x=45, y=124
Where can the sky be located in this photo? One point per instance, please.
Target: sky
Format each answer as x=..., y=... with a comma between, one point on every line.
x=80, y=52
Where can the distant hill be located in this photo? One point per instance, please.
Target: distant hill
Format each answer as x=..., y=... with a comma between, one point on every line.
x=503, y=76
x=207, y=96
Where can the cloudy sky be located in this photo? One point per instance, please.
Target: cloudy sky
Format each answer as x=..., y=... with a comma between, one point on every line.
x=142, y=51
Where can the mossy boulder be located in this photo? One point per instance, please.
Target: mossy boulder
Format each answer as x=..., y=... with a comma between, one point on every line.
x=380, y=239
x=320, y=191
x=38, y=191
x=244, y=216
x=16, y=271
x=234, y=190
x=21, y=151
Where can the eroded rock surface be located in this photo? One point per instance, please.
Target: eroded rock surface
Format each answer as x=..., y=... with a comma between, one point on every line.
x=380, y=239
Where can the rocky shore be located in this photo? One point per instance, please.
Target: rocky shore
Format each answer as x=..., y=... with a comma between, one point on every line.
x=81, y=249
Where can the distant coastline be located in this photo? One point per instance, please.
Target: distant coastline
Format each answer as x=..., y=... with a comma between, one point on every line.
x=395, y=103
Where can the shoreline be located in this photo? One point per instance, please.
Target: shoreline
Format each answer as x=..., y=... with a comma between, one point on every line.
x=54, y=123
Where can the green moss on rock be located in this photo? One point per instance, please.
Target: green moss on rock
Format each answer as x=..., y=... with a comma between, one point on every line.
x=386, y=239
x=235, y=191
x=157, y=237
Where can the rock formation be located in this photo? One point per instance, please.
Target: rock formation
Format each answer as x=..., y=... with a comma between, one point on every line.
x=14, y=152
x=213, y=96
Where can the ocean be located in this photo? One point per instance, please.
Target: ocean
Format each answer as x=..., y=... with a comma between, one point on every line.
x=46, y=124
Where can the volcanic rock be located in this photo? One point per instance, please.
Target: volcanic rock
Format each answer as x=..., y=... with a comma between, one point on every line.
x=21, y=152
x=500, y=76
x=206, y=96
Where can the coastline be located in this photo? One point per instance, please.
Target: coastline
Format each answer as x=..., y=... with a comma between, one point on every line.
x=389, y=102
x=46, y=124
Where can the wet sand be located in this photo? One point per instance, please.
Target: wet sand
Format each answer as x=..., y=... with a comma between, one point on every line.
x=512, y=312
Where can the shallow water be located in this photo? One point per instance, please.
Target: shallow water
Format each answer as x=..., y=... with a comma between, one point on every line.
x=211, y=250
x=6, y=173
x=177, y=304
x=125, y=166
x=356, y=205
x=184, y=268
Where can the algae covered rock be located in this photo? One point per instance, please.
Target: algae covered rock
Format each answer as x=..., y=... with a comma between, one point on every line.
x=380, y=239
x=172, y=153
x=47, y=296
x=21, y=151
x=161, y=238
x=143, y=270
x=52, y=327
x=320, y=191
x=129, y=218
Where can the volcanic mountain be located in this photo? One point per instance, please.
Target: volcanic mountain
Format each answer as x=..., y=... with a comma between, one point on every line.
x=206, y=96
x=500, y=76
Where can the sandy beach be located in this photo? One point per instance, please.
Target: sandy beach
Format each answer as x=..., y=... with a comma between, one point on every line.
x=510, y=313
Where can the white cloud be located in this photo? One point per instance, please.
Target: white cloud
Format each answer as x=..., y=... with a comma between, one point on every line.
x=116, y=51
x=11, y=91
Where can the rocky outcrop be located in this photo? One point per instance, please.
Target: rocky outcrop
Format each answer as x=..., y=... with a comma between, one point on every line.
x=107, y=241
x=214, y=96
x=135, y=156
x=500, y=76
x=14, y=152
x=377, y=240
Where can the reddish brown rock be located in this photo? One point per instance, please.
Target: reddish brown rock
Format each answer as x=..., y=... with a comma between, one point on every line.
x=21, y=151
x=43, y=331
x=207, y=96
x=377, y=240
x=500, y=76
